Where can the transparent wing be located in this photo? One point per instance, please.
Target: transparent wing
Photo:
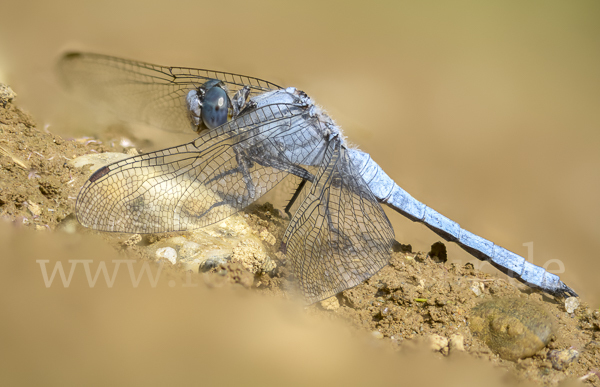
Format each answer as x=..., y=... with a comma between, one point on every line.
x=201, y=182
x=339, y=236
x=145, y=92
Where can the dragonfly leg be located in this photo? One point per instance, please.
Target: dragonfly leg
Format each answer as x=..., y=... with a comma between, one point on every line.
x=238, y=102
x=294, y=198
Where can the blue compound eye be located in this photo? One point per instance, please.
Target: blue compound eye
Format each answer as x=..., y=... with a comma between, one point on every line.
x=215, y=107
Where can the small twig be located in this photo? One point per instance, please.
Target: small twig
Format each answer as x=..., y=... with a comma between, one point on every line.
x=14, y=158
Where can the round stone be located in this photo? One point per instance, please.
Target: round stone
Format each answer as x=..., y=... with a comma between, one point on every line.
x=561, y=359
x=571, y=304
x=514, y=328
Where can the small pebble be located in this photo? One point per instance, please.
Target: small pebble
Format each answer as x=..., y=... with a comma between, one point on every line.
x=477, y=288
x=167, y=253
x=437, y=343
x=212, y=263
x=34, y=209
x=571, y=304
x=68, y=224
x=561, y=359
x=6, y=94
x=132, y=151
x=377, y=334
x=331, y=303
x=456, y=342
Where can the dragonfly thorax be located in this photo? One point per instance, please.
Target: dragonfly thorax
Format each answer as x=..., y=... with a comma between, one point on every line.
x=293, y=96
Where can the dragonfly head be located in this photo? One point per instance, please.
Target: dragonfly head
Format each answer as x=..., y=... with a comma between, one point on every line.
x=208, y=105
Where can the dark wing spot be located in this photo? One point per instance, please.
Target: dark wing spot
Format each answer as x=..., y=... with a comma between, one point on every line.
x=99, y=173
x=72, y=55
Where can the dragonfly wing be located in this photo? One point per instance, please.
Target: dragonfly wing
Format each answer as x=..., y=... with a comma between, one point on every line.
x=199, y=183
x=339, y=236
x=145, y=92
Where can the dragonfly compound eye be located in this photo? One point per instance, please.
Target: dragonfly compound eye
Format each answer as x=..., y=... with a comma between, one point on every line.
x=215, y=107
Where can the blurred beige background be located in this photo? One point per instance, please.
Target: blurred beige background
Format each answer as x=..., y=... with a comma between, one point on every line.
x=167, y=335
x=489, y=113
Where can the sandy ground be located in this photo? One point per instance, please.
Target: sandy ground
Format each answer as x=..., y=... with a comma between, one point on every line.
x=385, y=327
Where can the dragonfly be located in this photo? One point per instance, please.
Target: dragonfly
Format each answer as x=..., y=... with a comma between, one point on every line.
x=254, y=134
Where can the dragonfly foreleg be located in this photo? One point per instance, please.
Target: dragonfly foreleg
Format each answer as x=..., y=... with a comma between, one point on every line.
x=238, y=102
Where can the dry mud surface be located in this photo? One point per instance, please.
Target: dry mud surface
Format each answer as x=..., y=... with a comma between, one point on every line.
x=417, y=300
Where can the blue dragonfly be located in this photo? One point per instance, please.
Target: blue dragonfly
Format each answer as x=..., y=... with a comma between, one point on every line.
x=253, y=134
